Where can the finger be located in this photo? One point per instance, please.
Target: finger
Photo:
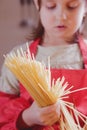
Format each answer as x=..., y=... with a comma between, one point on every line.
x=51, y=108
x=51, y=115
x=51, y=121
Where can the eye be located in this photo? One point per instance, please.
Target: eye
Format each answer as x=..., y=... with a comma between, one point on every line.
x=72, y=6
x=50, y=5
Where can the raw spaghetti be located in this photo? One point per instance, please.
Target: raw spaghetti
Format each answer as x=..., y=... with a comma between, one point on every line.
x=36, y=78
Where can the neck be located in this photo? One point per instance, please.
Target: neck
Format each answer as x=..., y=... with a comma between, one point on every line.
x=50, y=41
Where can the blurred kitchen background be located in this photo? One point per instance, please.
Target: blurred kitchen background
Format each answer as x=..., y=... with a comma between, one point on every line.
x=17, y=18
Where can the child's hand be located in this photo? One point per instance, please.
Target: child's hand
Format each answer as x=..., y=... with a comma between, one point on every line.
x=41, y=116
x=85, y=127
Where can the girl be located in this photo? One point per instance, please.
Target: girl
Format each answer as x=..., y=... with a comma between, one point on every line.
x=58, y=36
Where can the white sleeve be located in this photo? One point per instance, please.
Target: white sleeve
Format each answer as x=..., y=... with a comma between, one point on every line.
x=8, y=82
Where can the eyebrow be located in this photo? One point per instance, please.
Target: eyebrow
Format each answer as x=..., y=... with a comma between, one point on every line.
x=54, y=0
x=73, y=0
x=49, y=0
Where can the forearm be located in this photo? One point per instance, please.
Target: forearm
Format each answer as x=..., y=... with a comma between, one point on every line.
x=11, y=109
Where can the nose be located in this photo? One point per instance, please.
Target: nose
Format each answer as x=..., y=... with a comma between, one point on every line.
x=61, y=13
x=64, y=15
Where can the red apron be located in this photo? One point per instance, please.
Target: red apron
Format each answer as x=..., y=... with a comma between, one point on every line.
x=13, y=105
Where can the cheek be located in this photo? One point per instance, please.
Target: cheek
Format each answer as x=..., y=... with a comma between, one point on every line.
x=79, y=17
x=76, y=19
x=46, y=19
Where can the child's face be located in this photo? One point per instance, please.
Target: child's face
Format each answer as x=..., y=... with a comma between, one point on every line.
x=62, y=18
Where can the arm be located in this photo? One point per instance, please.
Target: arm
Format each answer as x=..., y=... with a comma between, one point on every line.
x=15, y=104
x=8, y=82
x=12, y=101
x=10, y=110
x=16, y=108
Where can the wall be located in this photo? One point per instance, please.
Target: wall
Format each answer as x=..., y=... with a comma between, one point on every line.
x=11, y=33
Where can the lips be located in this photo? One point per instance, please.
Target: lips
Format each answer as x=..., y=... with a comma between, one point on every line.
x=61, y=26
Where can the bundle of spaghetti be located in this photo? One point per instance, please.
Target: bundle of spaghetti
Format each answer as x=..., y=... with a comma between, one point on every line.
x=36, y=78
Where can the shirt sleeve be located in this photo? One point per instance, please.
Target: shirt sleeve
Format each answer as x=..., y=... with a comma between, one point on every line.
x=10, y=108
x=13, y=98
x=8, y=82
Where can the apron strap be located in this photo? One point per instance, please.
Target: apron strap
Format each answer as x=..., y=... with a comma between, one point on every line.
x=83, y=47
x=33, y=46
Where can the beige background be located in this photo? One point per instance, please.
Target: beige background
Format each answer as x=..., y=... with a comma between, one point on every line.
x=11, y=34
